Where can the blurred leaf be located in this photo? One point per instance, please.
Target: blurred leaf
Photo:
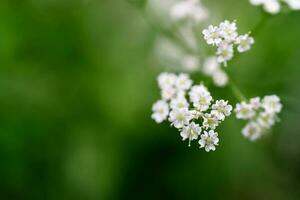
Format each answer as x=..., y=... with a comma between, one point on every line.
x=137, y=3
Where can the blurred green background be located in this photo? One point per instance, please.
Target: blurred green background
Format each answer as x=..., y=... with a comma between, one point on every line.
x=77, y=82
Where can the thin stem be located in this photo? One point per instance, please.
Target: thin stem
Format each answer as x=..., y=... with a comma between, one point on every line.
x=258, y=27
x=236, y=91
x=166, y=32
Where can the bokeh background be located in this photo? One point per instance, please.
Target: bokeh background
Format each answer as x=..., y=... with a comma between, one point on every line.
x=77, y=82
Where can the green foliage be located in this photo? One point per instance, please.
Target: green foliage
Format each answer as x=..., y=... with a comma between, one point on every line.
x=138, y=3
x=77, y=81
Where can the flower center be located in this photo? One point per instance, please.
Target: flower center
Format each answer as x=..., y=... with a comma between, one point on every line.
x=221, y=109
x=180, y=117
x=209, y=141
x=161, y=111
x=252, y=130
x=210, y=121
x=245, y=111
x=202, y=100
x=180, y=105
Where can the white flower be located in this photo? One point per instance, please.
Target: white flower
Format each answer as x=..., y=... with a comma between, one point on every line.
x=210, y=121
x=196, y=91
x=224, y=52
x=271, y=104
x=200, y=97
x=180, y=117
x=160, y=111
x=179, y=102
x=228, y=30
x=196, y=114
x=177, y=109
x=255, y=102
x=166, y=80
x=271, y=6
x=183, y=82
x=210, y=65
x=220, y=78
x=191, y=132
x=221, y=109
x=188, y=9
x=209, y=140
x=212, y=35
x=293, y=4
x=244, y=42
x=181, y=94
x=252, y=131
x=168, y=93
x=262, y=115
x=257, y=2
x=266, y=120
x=244, y=111
x=190, y=62
x=180, y=10
x=203, y=103
x=225, y=37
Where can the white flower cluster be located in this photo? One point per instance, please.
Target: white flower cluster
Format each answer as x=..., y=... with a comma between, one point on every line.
x=262, y=115
x=190, y=109
x=188, y=10
x=173, y=57
x=225, y=36
x=212, y=68
x=274, y=6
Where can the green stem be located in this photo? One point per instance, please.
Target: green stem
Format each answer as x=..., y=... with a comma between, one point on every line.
x=236, y=91
x=166, y=31
x=258, y=27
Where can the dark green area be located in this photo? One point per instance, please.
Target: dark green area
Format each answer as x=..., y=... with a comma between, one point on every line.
x=77, y=82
